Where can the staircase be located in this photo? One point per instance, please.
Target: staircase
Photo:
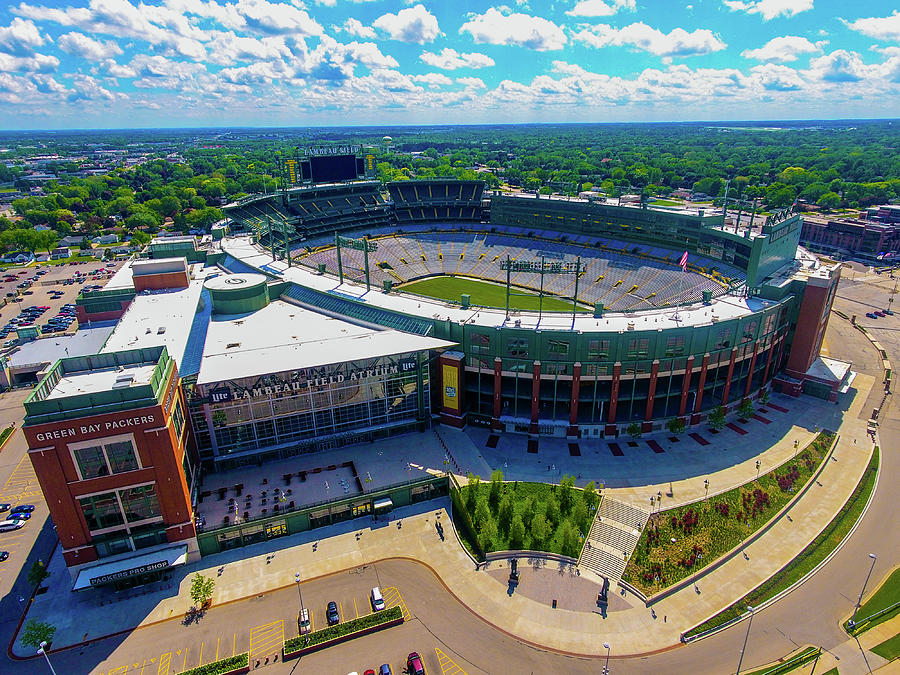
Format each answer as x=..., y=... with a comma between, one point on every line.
x=612, y=538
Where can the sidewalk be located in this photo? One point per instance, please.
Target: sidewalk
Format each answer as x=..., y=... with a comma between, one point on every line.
x=249, y=571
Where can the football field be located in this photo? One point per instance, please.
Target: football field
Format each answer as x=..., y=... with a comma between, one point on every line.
x=484, y=294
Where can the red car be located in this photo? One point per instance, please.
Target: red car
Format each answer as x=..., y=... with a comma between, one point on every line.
x=414, y=664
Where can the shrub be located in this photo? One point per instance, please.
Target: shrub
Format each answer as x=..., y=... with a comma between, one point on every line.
x=225, y=665
x=516, y=532
x=36, y=632
x=201, y=589
x=343, y=629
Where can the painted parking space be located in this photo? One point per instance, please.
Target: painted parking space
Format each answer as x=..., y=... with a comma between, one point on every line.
x=393, y=598
x=266, y=639
x=178, y=660
x=448, y=665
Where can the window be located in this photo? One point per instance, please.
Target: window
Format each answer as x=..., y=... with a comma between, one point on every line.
x=598, y=349
x=101, y=511
x=749, y=331
x=139, y=503
x=557, y=347
x=675, y=346
x=480, y=343
x=518, y=348
x=115, y=455
x=638, y=347
x=178, y=418
x=723, y=339
x=91, y=462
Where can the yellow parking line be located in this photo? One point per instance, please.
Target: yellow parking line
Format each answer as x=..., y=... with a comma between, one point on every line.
x=233, y=643
x=119, y=671
x=356, y=608
x=448, y=667
x=266, y=638
x=165, y=663
x=392, y=597
x=341, y=611
x=200, y=662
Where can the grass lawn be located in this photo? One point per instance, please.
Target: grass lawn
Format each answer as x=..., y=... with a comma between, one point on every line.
x=74, y=258
x=789, y=665
x=889, y=649
x=526, y=516
x=680, y=541
x=887, y=594
x=484, y=294
x=665, y=202
x=814, y=553
x=5, y=433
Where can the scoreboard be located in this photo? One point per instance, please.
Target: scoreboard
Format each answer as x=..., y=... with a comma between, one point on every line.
x=331, y=164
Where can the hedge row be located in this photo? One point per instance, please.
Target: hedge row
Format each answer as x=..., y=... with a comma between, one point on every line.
x=231, y=664
x=343, y=629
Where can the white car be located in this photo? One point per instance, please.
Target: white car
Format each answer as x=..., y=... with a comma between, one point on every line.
x=9, y=525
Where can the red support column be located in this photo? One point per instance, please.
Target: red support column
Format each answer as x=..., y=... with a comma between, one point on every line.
x=647, y=426
x=698, y=399
x=728, y=377
x=535, y=396
x=573, y=403
x=613, y=400
x=498, y=384
x=686, y=385
x=768, y=362
x=750, y=372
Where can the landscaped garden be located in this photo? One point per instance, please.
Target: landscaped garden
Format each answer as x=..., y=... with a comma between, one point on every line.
x=498, y=516
x=678, y=542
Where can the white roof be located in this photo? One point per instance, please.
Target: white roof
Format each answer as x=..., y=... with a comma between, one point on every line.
x=90, y=382
x=158, y=318
x=131, y=564
x=282, y=336
x=721, y=308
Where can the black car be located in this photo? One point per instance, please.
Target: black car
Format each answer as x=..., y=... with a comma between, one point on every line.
x=4, y=555
x=23, y=508
x=332, y=614
x=4, y=506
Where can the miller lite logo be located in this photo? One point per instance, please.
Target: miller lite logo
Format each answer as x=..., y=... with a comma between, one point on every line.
x=220, y=395
x=450, y=392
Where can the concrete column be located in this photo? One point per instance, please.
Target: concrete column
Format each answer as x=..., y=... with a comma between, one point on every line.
x=498, y=400
x=728, y=378
x=750, y=372
x=769, y=362
x=573, y=403
x=698, y=399
x=535, y=396
x=613, y=400
x=686, y=385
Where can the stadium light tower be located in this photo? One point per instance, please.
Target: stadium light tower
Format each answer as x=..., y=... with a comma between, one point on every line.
x=363, y=245
x=542, y=268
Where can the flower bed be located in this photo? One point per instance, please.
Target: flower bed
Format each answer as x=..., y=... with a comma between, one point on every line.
x=320, y=639
x=239, y=663
x=683, y=540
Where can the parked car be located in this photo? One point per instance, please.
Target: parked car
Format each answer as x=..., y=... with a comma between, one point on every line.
x=877, y=311
x=871, y=315
x=4, y=506
x=385, y=669
x=4, y=555
x=376, y=599
x=10, y=525
x=414, y=664
x=23, y=508
x=331, y=613
x=303, y=624
x=18, y=515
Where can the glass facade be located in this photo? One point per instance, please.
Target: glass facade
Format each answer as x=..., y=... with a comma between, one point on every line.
x=111, y=509
x=102, y=460
x=255, y=413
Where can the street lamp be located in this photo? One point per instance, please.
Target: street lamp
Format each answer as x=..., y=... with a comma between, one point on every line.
x=300, y=595
x=852, y=621
x=658, y=502
x=706, y=487
x=746, y=637
x=41, y=650
x=757, y=469
x=606, y=667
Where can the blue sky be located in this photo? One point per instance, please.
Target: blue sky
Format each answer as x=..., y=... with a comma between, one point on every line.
x=163, y=63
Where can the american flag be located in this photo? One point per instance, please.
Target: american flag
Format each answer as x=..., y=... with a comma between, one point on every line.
x=683, y=262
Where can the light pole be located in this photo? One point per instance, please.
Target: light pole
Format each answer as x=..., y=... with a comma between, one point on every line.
x=706, y=487
x=852, y=621
x=658, y=502
x=606, y=667
x=757, y=469
x=41, y=650
x=300, y=595
x=746, y=637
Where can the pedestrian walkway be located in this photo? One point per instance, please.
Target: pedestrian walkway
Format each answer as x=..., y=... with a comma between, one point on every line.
x=247, y=572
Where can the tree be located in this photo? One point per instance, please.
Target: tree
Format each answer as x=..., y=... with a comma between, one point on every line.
x=36, y=632
x=717, y=418
x=486, y=535
x=566, y=487
x=472, y=492
x=675, y=426
x=482, y=514
x=633, y=430
x=580, y=514
x=746, y=409
x=201, y=589
x=516, y=532
x=551, y=511
x=569, y=539
x=140, y=238
x=496, y=489
x=589, y=495
x=540, y=530
x=37, y=573
x=764, y=396
x=143, y=219
x=507, y=510
x=829, y=201
x=47, y=240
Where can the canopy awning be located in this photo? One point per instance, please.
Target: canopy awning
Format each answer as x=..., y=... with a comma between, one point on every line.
x=385, y=503
x=123, y=568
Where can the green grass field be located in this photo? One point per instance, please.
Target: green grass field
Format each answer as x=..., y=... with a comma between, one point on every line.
x=484, y=294
x=887, y=595
x=889, y=649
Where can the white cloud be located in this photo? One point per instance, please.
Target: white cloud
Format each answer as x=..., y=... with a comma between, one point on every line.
x=769, y=9
x=773, y=77
x=639, y=35
x=34, y=63
x=783, y=49
x=226, y=49
x=81, y=45
x=499, y=28
x=884, y=28
x=450, y=59
x=414, y=24
x=599, y=7
x=471, y=82
x=20, y=38
x=358, y=28
x=840, y=66
x=86, y=88
x=433, y=80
